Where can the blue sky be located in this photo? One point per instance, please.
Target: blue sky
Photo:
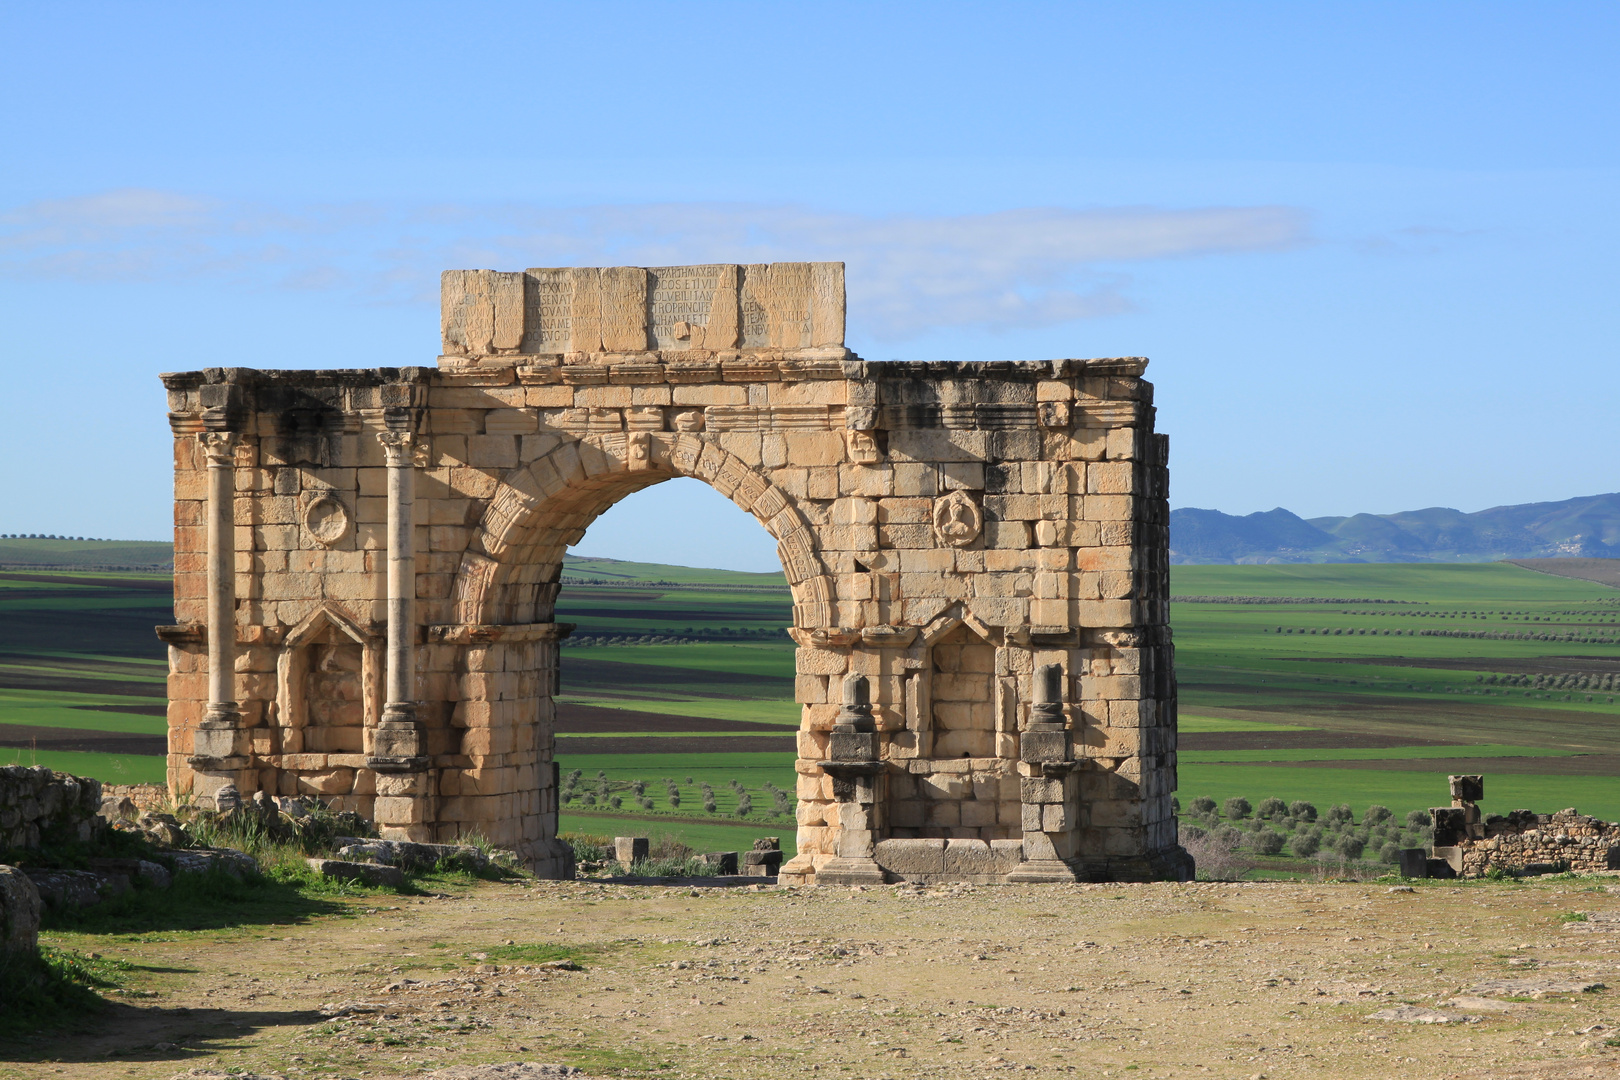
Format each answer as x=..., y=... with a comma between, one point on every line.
x=1370, y=248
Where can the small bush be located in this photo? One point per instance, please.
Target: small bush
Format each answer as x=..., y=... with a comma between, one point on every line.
x=709, y=804
x=1377, y=815
x=1350, y=846
x=745, y=805
x=1390, y=853
x=1237, y=808
x=1304, y=844
x=1266, y=842
x=1202, y=806
x=1215, y=854
x=1175, y=805
x=1419, y=819
x=615, y=802
x=1272, y=807
x=1191, y=833
x=1302, y=810
x=1340, y=813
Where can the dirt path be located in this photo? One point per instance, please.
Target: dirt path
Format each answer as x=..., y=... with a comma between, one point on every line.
x=1207, y=980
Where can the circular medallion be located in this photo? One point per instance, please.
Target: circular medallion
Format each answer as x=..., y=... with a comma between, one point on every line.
x=326, y=520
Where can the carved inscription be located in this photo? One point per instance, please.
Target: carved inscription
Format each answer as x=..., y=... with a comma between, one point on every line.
x=548, y=300
x=678, y=302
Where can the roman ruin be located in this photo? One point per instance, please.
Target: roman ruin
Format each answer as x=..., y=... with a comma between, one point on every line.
x=367, y=566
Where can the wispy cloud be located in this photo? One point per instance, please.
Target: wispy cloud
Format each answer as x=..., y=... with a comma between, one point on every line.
x=1015, y=268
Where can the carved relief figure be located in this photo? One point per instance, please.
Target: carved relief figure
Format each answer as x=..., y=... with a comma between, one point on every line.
x=957, y=520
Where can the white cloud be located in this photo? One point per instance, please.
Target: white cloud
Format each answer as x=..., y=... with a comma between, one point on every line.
x=907, y=273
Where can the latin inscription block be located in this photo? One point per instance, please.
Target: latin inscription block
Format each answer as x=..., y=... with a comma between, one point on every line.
x=548, y=306
x=692, y=307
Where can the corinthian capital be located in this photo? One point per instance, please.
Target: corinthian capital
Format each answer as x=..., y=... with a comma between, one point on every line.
x=397, y=447
x=220, y=448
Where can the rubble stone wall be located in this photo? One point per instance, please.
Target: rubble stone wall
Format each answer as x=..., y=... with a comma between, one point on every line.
x=36, y=802
x=945, y=529
x=1520, y=841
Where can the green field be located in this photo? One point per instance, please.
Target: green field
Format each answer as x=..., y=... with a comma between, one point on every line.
x=1478, y=668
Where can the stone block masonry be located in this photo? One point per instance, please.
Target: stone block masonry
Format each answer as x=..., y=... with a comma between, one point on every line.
x=367, y=567
x=37, y=805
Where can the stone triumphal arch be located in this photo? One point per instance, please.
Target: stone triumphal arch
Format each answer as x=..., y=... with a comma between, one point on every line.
x=367, y=564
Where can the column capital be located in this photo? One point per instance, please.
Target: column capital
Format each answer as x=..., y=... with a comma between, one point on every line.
x=399, y=448
x=220, y=447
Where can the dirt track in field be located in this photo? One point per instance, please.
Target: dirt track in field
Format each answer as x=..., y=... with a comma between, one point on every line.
x=1279, y=980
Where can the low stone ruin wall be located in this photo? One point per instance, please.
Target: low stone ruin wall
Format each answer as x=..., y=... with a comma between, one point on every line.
x=1526, y=843
x=36, y=802
x=143, y=796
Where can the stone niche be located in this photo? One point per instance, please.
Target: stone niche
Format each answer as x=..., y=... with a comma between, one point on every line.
x=977, y=554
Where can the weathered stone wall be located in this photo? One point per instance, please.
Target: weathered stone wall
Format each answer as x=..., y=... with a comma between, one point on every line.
x=142, y=796
x=1472, y=844
x=945, y=528
x=1524, y=841
x=36, y=802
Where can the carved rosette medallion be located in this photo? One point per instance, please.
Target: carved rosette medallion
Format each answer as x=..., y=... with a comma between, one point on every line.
x=326, y=519
x=957, y=520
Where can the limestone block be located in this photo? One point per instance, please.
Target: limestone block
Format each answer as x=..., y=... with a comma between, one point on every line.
x=976, y=814
x=1123, y=444
x=906, y=857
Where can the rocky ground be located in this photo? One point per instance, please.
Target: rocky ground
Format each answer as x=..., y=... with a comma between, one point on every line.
x=1198, y=980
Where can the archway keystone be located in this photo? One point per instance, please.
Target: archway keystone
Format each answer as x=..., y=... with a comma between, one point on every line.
x=946, y=529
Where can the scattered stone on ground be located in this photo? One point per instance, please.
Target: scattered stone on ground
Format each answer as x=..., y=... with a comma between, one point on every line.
x=511, y=1070
x=1535, y=988
x=365, y=873
x=1414, y=1014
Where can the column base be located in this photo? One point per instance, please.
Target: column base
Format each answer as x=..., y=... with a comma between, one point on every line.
x=1039, y=870
x=842, y=871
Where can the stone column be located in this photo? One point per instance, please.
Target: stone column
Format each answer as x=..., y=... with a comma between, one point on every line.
x=1048, y=785
x=858, y=785
x=397, y=746
x=217, y=746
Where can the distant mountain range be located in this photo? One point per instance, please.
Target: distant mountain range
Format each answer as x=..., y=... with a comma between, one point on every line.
x=1585, y=527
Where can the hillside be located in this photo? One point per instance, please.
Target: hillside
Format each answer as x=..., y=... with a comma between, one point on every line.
x=1586, y=527
x=63, y=554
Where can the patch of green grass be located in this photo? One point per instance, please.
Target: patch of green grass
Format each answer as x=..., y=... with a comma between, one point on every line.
x=1439, y=583
x=210, y=901
x=108, y=768
x=535, y=953
x=55, y=708
x=52, y=989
